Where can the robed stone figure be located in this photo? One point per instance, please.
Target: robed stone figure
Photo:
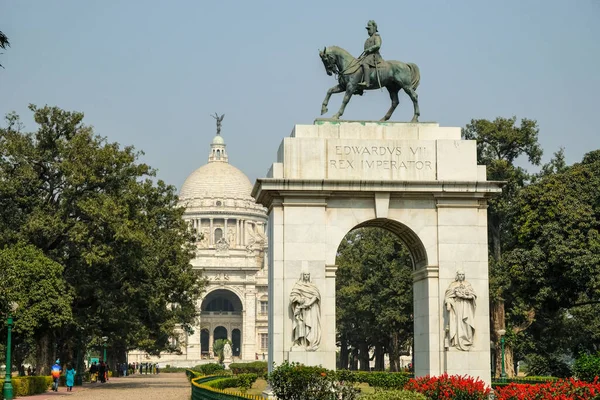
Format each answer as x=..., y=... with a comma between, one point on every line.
x=227, y=353
x=305, y=303
x=460, y=304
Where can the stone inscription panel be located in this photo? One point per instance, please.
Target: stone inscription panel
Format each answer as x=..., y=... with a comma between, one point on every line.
x=381, y=159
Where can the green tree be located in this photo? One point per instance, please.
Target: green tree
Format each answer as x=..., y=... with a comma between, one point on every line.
x=499, y=144
x=374, y=302
x=36, y=284
x=92, y=208
x=554, y=261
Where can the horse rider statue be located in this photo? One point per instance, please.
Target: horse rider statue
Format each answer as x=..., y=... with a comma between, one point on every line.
x=370, y=57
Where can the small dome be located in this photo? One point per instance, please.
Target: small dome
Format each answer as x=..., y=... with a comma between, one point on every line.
x=216, y=180
x=218, y=140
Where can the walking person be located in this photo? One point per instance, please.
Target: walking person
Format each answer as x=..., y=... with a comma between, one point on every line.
x=102, y=372
x=70, y=377
x=55, y=372
x=94, y=373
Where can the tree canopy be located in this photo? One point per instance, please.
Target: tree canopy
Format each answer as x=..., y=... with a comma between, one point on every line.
x=4, y=43
x=554, y=261
x=499, y=144
x=88, y=208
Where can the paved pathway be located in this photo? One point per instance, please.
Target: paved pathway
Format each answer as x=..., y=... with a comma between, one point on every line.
x=137, y=387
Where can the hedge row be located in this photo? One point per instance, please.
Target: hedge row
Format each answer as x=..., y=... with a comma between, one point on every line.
x=393, y=395
x=378, y=379
x=167, y=370
x=28, y=385
x=209, y=369
x=259, y=368
x=243, y=381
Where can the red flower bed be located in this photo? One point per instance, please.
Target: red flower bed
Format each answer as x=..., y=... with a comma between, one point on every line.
x=564, y=389
x=452, y=387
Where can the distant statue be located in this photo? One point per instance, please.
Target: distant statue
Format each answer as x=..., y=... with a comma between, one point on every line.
x=203, y=238
x=227, y=351
x=231, y=236
x=219, y=121
x=460, y=301
x=369, y=72
x=222, y=245
x=305, y=302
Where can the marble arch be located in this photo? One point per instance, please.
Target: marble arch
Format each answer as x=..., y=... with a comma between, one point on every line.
x=410, y=239
x=420, y=181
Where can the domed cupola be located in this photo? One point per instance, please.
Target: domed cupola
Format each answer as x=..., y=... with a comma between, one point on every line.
x=217, y=150
x=218, y=185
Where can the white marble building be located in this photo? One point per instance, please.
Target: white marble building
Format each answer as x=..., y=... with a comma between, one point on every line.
x=232, y=255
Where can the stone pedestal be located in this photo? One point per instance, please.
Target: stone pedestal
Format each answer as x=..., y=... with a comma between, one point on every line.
x=420, y=181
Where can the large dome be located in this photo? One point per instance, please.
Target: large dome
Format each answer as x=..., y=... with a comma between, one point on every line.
x=216, y=180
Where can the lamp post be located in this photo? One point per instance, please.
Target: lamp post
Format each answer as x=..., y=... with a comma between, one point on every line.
x=7, y=389
x=79, y=367
x=104, y=340
x=502, y=332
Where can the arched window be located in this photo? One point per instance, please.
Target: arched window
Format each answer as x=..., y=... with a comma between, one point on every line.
x=218, y=234
x=204, y=340
x=236, y=339
x=219, y=304
x=218, y=154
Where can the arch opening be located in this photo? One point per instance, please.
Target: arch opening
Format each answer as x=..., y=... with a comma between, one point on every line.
x=374, y=297
x=410, y=239
x=221, y=301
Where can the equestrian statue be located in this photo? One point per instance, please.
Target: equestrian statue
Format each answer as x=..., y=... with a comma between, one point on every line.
x=368, y=72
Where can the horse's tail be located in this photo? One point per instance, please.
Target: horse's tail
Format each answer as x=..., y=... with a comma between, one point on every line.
x=416, y=75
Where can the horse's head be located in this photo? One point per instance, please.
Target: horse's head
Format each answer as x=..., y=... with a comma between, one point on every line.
x=328, y=62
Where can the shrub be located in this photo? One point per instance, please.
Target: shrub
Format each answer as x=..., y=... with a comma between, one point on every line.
x=587, y=367
x=299, y=382
x=547, y=365
x=28, y=385
x=245, y=381
x=560, y=389
x=393, y=395
x=209, y=369
x=385, y=380
x=451, y=387
x=259, y=368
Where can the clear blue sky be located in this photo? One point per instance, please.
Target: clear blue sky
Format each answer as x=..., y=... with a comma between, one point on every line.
x=150, y=73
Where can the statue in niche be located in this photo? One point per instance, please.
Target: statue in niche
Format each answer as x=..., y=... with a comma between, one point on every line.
x=231, y=235
x=222, y=245
x=305, y=303
x=460, y=299
x=204, y=239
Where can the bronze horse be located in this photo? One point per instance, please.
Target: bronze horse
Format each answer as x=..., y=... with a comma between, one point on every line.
x=393, y=75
